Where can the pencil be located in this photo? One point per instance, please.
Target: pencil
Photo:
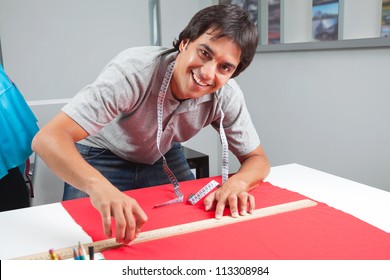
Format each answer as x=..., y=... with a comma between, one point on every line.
x=81, y=252
x=75, y=254
x=53, y=255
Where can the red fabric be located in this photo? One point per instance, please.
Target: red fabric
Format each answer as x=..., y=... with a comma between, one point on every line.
x=319, y=232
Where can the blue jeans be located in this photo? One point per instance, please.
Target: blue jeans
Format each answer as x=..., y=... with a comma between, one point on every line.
x=127, y=175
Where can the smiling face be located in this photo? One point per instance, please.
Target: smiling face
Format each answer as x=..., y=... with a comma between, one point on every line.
x=204, y=66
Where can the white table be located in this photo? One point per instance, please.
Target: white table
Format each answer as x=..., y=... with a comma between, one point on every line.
x=38, y=229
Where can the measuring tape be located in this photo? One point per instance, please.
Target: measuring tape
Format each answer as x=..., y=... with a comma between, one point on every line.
x=160, y=113
x=103, y=245
x=225, y=150
x=194, y=198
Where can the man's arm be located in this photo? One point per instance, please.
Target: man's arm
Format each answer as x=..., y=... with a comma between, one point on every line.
x=55, y=144
x=235, y=192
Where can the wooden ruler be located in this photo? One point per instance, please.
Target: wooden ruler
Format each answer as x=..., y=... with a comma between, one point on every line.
x=100, y=246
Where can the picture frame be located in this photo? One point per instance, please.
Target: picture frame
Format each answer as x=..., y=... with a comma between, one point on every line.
x=325, y=20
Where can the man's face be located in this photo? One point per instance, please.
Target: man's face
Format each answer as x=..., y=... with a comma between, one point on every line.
x=204, y=66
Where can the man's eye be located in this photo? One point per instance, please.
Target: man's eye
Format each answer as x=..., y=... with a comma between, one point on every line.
x=204, y=53
x=225, y=68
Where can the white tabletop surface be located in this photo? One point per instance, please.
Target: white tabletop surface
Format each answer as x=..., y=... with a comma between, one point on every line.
x=40, y=228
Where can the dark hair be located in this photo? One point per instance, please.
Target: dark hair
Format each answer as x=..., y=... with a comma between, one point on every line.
x=226, y=20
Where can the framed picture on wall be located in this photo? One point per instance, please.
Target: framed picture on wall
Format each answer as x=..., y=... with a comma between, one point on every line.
x=325, y=20
x=385, y=20
x=273, y=22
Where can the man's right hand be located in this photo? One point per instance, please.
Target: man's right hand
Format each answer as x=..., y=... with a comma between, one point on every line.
x=129, y=216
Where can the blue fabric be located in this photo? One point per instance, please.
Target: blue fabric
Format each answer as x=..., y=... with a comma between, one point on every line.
x=127, y=175
x=18, y=126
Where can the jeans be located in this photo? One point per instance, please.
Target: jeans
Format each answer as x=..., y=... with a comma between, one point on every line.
x=127, y=175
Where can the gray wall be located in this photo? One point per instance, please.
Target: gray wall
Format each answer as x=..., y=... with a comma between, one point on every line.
x=52, y=48
x=328, y=110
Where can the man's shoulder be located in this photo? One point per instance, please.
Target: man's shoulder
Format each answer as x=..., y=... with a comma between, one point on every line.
x=230, y=88
x=140, y=58
x=146, y=53
x=153, y=51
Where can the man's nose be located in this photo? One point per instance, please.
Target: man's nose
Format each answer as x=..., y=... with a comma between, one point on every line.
x=208, y=71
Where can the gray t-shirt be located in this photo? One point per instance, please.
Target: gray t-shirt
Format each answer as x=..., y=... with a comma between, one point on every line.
x=119, y=109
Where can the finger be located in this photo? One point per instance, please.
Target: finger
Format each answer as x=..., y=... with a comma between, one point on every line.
x=130, y=227
x=209, y=201
x=106, y=221
x=141, y=218
x=252, y=203
x=233, y=203
x=243, y=199
x=121, y=223
x=219, y=208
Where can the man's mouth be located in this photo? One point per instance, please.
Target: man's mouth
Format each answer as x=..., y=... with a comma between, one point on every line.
x=198, y=81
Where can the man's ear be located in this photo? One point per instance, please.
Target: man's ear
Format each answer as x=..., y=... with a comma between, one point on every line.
x=183, y=44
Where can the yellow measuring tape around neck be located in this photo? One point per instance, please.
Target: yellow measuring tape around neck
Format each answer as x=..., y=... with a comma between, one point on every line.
x=99, y=246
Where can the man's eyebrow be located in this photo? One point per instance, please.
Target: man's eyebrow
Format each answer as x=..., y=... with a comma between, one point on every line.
x=210, y=50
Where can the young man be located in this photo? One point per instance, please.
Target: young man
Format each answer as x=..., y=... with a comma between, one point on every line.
x=143, y=104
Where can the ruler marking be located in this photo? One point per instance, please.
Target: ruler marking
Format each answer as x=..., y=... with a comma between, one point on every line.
x=103, y=245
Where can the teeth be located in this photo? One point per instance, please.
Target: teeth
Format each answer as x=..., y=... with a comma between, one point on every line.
x=198, y=81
